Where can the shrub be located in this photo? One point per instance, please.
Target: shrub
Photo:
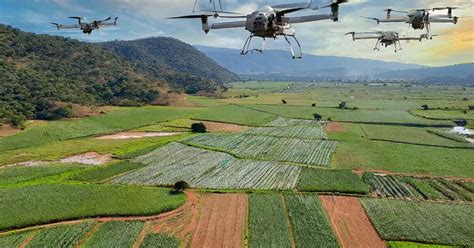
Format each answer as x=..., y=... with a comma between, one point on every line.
x=342, y=105
x=317, y=117
x=198, y=127
x=180, y=186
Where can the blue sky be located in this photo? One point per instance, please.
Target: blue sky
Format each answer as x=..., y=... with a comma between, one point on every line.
x=146, y=18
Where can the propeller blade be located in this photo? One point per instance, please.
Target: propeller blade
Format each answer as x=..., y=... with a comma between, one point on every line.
x=223, y=12
x=330, y=4
x=443, y=8
x=190, y=17
x=291, y=5
x=106, y=19
x=287, y=11
x=396, y=11
x=76, y=17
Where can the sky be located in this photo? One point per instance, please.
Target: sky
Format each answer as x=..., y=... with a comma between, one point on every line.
x=147, y=18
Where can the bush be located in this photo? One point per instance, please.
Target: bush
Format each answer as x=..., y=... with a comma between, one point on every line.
x=425, y=107
x=342, y=105
x=284, y=101
x=198, y=127
x=317, y=117
x=180, y=186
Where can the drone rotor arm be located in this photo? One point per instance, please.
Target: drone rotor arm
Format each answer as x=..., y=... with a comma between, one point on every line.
x=224, y=25
x=303, y=19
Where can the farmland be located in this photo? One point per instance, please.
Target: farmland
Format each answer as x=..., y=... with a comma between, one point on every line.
x=310, y=223
x=268, y=225
x=208, y=169
x=115, y=234
x=158, y=240
x=434, y=223
x=310, y=152
x=236, y=115
x=62, y=236
x=323, y=180
x=32, y=205
x=13, y=175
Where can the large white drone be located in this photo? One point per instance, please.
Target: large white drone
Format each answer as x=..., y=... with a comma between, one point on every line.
x=420, y=18
x=269, y=22
x=385, y=38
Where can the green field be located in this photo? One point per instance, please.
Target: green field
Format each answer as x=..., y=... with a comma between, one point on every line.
x=354, y=151
x=447, y=224
x=445, y=114
x=18, y=174
x=32, y=205
x=14, y=240
x=322, y=180
x=310, y=224
x=397, y=244
x=159, y=240
x=62, y=236
x=268, y=226
x=236, y=115
x=114, y=121
x=104, y=172
x=115, y=234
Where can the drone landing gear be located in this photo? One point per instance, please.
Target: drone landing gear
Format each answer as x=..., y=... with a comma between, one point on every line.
x=377, y=46
x=299, y=54
x=246, y=50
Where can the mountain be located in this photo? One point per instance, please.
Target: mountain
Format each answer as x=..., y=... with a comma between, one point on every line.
x=455, y=74
x=278, y=64
x=173, y=61
x=42, y=75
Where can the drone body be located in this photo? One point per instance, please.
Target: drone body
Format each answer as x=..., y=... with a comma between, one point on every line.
x=420, y=19
x=385, y=38
x=87, y=27
x=270, y=22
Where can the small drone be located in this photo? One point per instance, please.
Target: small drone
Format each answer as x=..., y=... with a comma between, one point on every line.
x=420, y=19
x=88, y=27
x=385, y=38
x=268, y=22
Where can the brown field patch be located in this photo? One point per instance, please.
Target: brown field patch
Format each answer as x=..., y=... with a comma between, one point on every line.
x=351, y=223
x=7, y=130
x=89, y=158
x=136, y=135
x=222, y=221
x=334, y=127
x=224, y=127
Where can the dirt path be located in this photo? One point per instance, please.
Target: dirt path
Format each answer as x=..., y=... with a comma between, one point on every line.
x=222, y=221
x=351, y=223
x=360, y=171
x=89, y=158
x=334, y=127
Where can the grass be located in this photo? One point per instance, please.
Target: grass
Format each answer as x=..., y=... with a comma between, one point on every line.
x=14, y=240
x=354, y=151
x=160, y=240
x=101, y=173
x=323, y=180
x=57, y=150
x=236, y=115
x=268, y=226
x=33, y=205
x=398, y=244
x=17, y=174
x=349, y=115
x=432, y=223
x=116, y=234
x=310, y=224
x=414, y=135
x=118, y=120
x=62, y=236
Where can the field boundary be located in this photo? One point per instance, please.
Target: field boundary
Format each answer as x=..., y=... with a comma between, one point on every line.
x=418, y=144
x=291, y=230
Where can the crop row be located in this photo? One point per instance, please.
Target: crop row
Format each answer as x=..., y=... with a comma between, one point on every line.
x=301, y=132
x=286, y=122
x=311, y=152
x=209, y=169
x=424, y=222
x=417, y=188
x=116, y=234
x=61, y=236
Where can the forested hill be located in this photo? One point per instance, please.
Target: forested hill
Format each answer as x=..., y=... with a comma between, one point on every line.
x=171, y=60
x=41, y=75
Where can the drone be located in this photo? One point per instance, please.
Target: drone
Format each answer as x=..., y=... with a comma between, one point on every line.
x=385, y=38
x=269, y=22
x=88, y=27
x=420, y=19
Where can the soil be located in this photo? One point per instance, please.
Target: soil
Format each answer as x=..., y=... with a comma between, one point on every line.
x=224, y=127
x=351, y=223
x=222, y=221
x=7, y=130
x=334, y=127
x=360, y=171
x=135, y=135
x=89, y=158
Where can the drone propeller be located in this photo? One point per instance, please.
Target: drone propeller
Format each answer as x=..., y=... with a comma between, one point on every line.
x=330, y=4
x=217, y=14
x=292, y=6
x=105, y=19
x=372, y=18
x=190, y=17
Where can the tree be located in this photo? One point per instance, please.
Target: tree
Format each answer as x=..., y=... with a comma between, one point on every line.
x=317, y=116
x=284, y=101
x=314, y=104
x=461, y=123
x=342, y=105
x=180, y=186
x=425, y=107
x=198, y=127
